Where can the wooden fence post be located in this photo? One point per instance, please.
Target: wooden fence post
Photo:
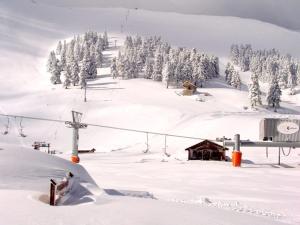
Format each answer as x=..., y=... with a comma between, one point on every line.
x=52, y=191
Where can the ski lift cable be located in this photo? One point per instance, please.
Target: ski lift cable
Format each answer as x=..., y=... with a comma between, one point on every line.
x=108, y=127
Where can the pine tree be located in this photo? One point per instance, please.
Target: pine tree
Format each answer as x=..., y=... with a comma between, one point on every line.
x=168, y=73
x=98, y=54
x=158, y=66
x=92, y=71
x=236, y=80
x=234, y=54
x=77, y=51
x=148, y=69
x=113, y=68
x=63, y=57
x=58, y=48
x=254, y=91
x=292, y=78
x=204, y=66
x=227, y=71
x=67, y=81
x=55, y=73
x=283, y=73
x=195, y=72
x=274, y=93
x=215, y=64
x=51, y=61
x=74, y=67
x=82, y=76
x=298, y=73
x=128, y=44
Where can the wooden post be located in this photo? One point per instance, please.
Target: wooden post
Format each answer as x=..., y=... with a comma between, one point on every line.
x=52, y=192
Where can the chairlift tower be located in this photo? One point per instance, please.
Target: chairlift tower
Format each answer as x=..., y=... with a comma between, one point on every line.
x=76, y=125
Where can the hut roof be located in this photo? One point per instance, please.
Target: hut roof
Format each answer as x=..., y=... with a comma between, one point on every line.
x=188, y=84
x=206, y=143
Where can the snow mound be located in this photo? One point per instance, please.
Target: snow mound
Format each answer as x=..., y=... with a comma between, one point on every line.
x=27, y=169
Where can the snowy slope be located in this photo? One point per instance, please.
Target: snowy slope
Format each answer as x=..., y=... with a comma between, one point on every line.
x=23, y=190
x=258, y=193
x=264, y=10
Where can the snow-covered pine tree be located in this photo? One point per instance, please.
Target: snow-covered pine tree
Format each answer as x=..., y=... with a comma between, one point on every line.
x=195, y=71
x=82, y=78
x=137, y=41
x=236, y=80
x=70, y=53
x=85, y=65
x=256, y=64
x=234, y=54
x=148, y=68
x=128, y=44
x=121, y=66
x=292, y=78
x=244, y=64
x=204, y=65
x=274, y=94
x=92, y=71
x=63, y=57
x=113, y=68
x=168, y=73
x=215, y=64
x=68, y=75
x=187, y=71
x=58, y=48
x=227, y=71
x=98, y=52
x=247, y=56
x=198, y=77
x=298, y=72
x=158, y=65
x=254, y=91
x=283, y=73
x=51, y=61
x=75, y=72
x=78, y=54
x=138, y=58
x=55, y=73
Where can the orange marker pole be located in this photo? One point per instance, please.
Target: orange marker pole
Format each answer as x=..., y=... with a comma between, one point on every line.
x=236, y=154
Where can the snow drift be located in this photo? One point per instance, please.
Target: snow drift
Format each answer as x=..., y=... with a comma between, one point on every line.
x=31, y=170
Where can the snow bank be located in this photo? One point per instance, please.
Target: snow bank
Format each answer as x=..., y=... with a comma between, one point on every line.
x=31, y=170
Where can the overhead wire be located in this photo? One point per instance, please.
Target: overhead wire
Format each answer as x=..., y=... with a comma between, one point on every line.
x=105, y=126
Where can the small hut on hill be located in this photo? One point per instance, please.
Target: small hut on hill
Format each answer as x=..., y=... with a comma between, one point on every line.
x=189, y=88
x=206, y=150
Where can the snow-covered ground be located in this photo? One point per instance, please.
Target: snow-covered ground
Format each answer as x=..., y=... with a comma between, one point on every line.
x=134, y=187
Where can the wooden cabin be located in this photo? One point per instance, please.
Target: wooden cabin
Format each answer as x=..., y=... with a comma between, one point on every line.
x=207, y=150
x=189, y=88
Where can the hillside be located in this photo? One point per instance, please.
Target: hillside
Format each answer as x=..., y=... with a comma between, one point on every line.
x=120, y=184
x=264, y=10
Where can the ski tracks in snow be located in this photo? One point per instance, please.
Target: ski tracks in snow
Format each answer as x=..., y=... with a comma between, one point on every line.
x=234, y=206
